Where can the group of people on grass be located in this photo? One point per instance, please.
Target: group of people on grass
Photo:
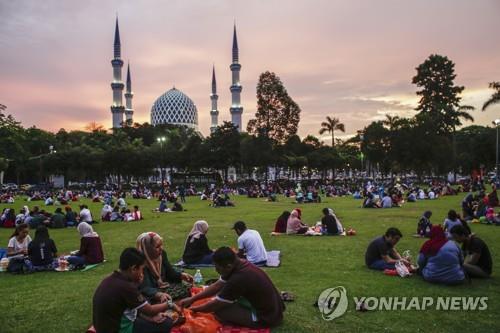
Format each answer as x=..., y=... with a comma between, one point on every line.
x=40, y=253
x=37, y=216
x=440, y=259
x=120, y=213
x=134, y=298
x=291, y=223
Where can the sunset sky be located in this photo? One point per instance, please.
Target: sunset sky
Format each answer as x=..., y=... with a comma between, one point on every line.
x=349, y=59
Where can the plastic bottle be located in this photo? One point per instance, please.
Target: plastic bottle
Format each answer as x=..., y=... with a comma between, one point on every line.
x=198, y=278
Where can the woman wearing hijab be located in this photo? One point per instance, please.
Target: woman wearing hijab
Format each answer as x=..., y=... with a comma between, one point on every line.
x=196, y=250
x=90, y=247
x=294, y=225
x=161, y=281
x=440, y=259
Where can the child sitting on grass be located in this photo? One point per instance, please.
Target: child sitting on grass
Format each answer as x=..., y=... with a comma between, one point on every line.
x=42, y=250
x=118, y=306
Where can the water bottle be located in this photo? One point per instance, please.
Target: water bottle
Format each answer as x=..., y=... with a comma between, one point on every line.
x=198, y=278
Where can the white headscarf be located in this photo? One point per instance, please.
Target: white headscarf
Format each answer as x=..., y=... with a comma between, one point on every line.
x=86, y=230
x=199, y=228
x=26, y=211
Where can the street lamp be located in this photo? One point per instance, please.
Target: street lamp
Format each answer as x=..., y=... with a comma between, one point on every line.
x=496, y=122
x=161, y=140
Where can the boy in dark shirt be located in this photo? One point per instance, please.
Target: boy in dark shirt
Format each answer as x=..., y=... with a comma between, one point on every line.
x=477, y=261
x=244, y=294
x=117, y=301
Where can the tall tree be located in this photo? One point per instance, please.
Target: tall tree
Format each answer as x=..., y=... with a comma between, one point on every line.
x=277, y=115
x=439, y=106
x=331, y=125
x=495, y=97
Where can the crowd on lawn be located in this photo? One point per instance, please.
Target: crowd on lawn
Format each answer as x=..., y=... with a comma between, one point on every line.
x=139, y=296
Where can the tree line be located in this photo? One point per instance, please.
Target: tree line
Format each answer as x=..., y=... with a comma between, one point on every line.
x=431, y=142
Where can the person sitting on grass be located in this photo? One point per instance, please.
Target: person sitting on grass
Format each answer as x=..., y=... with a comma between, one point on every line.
x=452, y=220
x=478, y=262
x=57, y=219
x=280, y=225
x=70, y=217
x=118, y=306
x=294, y=225
x=106, y=212
x=161, y=280
x=85, y=214
x=90, y=247
x=424, y=225
x=440, y=260
x=177, y=207
x=244, y=294
x=196, y=249
x=329, y=224
x=250, y=244
x=116, y=216
x=19, y=241
x=386, y=201
x=381, y=253
x=137, y=215
x=42, y=250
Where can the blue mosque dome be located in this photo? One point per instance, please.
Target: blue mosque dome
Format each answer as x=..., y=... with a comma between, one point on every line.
x=176, y=108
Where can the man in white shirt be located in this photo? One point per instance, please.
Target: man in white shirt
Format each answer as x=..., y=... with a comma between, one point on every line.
x=431, y=195
x=250, y=244
x=85, y=215
x=386, y=201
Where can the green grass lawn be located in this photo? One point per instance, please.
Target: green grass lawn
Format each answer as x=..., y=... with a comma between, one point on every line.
x=61, y=302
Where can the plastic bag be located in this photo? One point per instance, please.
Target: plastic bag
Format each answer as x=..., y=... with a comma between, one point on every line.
x=402, y=269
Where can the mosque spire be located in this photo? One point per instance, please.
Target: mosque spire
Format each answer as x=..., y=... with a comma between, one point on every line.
x=214, y=113
x=235, y=46
x=129, y=111
x=236, y=109
x=129, y=81
x=117, y=41
x=214, y=82
x=117, y=108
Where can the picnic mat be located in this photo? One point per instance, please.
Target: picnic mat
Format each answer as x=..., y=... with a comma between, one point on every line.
x=89, y=267
x=231, y=329
x=204, y=322
x=273, y=260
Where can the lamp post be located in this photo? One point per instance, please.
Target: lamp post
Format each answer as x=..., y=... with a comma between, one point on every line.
x=161, y=140
x=496, y=122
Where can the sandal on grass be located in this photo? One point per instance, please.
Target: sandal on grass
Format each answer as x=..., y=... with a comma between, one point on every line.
x=287, y=296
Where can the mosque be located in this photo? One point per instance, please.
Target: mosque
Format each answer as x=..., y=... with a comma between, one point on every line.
x=173, y=107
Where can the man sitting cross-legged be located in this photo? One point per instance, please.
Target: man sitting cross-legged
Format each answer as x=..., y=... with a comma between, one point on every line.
x=381, y=253
x=244, y=294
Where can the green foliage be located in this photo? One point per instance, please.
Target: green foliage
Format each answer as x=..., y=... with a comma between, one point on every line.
x=495, y=97
x=277, y=115
x=331, y=125
x=439, y=106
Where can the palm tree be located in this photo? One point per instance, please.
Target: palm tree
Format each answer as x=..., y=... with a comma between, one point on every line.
x=331, y=125
x=495, y=98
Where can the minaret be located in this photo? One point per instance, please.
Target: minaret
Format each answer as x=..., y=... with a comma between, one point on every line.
x=129, y=111
x=236, y=109
x=117, y=109
x=214, y=113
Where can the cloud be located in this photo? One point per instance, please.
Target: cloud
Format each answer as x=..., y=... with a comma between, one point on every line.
x=352, y=60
